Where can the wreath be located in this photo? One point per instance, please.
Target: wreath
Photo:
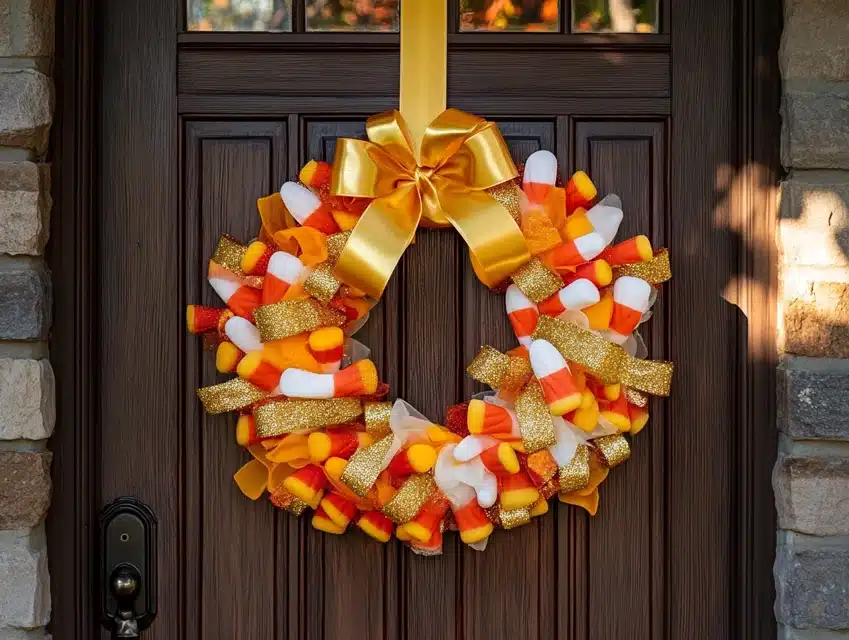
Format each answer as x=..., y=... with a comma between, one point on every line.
x=312, y=412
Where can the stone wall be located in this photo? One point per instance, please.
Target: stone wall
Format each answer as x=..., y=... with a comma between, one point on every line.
x=811, y=475
x=26, y=377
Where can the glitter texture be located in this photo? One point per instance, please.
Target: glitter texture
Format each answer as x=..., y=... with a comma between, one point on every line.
x=408, y=500
x=232, y=395
x=291, y=317
x=576, y=474
x=543, y=464
x=494, y=515
x=286, y=416
x=613, y=450
x=549, y=488
x=514, y=518
x=365, y=465
x=321, y=283
x=284, y=500
x=636, y=398
x=605, y=360
x=534, y=418
x=507, y=195
x=537, y=281
x=655, y=271
x=377, y=417
x=229, y=254
x=498, y=370
x=335, y=244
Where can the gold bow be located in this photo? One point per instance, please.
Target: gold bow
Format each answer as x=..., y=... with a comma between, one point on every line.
x=461, y=156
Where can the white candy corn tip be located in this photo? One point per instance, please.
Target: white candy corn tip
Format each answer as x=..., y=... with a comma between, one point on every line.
x=300, y=201
x=297, y=383
x=545, y=359
x=515, y=300
x=541, y=167
x=243, y=334
x=579, y=294
x=285, y=266
x=224, y=288
x=468, y=448
x=590, y=245
x=487, y=491
x=605, y=220
x=632, y=292
x=611, y=200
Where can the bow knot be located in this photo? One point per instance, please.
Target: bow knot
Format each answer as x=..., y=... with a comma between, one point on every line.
x=461, y=157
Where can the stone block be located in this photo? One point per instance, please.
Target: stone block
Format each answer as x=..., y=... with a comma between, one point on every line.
x=24, y=580
x=815, y=126
x=816, y=321
x=814, y=223
x=815, y=40
x=27, y=399
x=813, y=398
x=24, y=207
x=26, y=27
x=25, y=304
x=24, y=488
x=789, y=633
x=10, y=633
x=812, y=494
x=26, y=107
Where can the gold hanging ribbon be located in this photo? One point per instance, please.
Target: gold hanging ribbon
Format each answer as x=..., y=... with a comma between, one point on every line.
x=461, y=156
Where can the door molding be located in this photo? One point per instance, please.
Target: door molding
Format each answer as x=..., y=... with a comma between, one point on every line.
x=73, y=347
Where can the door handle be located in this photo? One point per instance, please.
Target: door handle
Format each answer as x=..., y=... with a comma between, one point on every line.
x=127, y=567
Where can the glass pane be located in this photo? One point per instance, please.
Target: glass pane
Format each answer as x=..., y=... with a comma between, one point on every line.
x=240, y=15
x=619, y=16
x=509, y=15
x=352, y=15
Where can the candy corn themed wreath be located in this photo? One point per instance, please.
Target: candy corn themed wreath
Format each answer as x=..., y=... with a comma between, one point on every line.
x=323, y=437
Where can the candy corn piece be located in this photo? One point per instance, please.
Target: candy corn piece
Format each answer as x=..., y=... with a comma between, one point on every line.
x=598, y=272
x=307, y=483
x=227, y=357
x=580, y=191
x=616, y=412
x=375, y=524
x=577, y=295
x=599, y=314
x=540, y=175
x=433, y=546
x=418, y=458
x=283, y=271
x=559, y=388
x=336, y=443
x=246, y=430
x=426, y=522
x=577, y=224
x=259, y=372
x=605, y=220
x=522, y=313
x=516, y=491
x=307, y=209
x=338, y=509
x=316, y=174
x=630, y=301
x=574, y=252
x=326, y=344
x=358, y=379
x=501, y=459
x=639, y=417
x=472, y=522
x=539, y=508
x=256, y=258
x=586, y=417
x=200, y=319
x=239, y=298
x=636, y=249
x=243, y=334
x=488, y=418
x=321, y=520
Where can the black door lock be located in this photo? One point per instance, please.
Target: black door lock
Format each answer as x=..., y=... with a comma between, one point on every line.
x=127, y=567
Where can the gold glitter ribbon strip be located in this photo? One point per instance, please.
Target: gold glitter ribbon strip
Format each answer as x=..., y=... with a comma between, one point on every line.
x=377, y=417
x=229, y=254
x=498, y=370
x=291, y=317
x=365, y=465
x=321, y=283
x=655, y=271
x=410, y=498
x=613, y=450
x=335, y=244
x=282, y=499
x=514, y=517
x=636, y=398
x=232, y=395
x=605, y=360
x=507, y=195
x=287, y=416
x=537, y=281
x=576, y=474
x=534, y=418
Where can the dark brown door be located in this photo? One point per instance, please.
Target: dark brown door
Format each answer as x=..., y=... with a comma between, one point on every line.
x=193, y=127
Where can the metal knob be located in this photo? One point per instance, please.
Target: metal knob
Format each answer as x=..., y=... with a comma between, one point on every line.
x=125, y=584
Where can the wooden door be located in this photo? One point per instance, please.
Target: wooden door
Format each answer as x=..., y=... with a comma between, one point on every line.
x=192, y=127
